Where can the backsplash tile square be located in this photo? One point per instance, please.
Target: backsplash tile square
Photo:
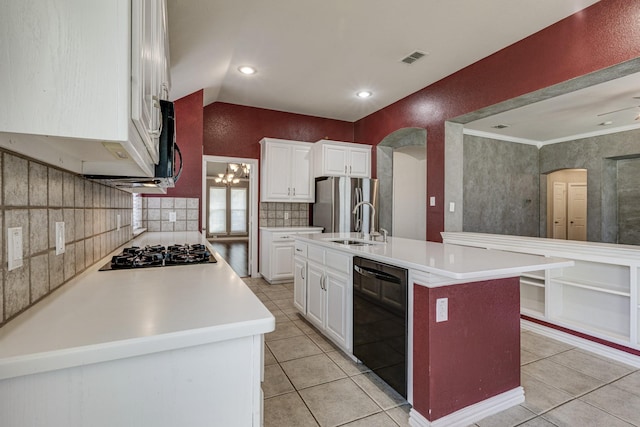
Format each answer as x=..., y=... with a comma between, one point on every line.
x=37, y=184
x=157, y=210
x=273, y=214
x=15, y=178
x=35, y=196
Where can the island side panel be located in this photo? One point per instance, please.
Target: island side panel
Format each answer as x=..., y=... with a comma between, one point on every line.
x=472, y=356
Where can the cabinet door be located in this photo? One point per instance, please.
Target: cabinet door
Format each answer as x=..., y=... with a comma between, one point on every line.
x=146, y=71
x=316, y=298
x=360, y=163
x=282, y=260
x=301, y=174
x=337, y=307
x=300, y=284
x=277, y=170
x=334, y=162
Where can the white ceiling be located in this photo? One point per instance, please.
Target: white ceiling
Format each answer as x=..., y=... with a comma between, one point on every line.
x=582, y=113
x=312, y=56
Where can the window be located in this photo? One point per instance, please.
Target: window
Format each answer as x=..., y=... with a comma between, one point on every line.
x=238, y=210
x=228, y=213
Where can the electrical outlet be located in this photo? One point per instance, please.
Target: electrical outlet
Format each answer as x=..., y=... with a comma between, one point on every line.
x=442, y=309
x=286, y=215
x=172, y=217
x=60, y=238
x=432, y=201
x=118, y=222
x=14, y=248
x=452, y=207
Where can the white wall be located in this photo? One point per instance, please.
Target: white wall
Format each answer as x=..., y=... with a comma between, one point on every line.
x=410, y=193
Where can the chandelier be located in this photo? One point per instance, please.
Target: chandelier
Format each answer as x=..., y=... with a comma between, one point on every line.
x=234, y=173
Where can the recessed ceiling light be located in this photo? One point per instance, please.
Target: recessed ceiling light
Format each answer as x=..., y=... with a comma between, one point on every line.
x=245, y=69
x=364, y=94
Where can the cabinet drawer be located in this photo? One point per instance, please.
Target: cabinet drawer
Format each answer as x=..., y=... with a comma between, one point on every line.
x=316, y=254
x=338, y=261
x=281, y=237
x=301, y=249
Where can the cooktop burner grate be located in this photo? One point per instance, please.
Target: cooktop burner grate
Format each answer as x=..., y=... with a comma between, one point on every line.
x=159, y=256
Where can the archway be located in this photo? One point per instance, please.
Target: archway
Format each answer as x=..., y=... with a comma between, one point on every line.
x=399, y=139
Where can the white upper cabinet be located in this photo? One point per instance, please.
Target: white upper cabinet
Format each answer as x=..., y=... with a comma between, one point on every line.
x=286, y=173
x=335, y=158
x=81, y=81
x=149, y=79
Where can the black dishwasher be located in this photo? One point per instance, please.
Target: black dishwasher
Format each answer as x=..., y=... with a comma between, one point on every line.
x=380, y=320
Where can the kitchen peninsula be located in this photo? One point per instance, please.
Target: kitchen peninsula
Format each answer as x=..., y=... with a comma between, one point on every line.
x=168, y=346
x=461, y=368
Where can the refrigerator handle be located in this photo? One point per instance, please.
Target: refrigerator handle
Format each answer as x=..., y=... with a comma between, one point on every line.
x=358, y=214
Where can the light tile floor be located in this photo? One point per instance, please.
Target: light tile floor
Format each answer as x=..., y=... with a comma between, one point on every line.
x=309, y=382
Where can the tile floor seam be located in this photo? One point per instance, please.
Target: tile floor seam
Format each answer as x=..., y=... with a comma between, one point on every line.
x=607, y=412
x=541, y=415
x=367, y=416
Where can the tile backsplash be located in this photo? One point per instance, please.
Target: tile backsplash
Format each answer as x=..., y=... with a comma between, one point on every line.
x=156, y=213
x=34, y=197
x=273, y=214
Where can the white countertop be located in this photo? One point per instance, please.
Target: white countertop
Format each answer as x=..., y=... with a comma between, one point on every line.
x=107, y=315
x=292, y=229
x=446, y=260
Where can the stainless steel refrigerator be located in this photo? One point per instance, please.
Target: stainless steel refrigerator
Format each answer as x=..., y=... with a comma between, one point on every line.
x=335, y=200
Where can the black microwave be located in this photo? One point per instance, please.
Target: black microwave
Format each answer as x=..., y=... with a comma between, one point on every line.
x=165, y=175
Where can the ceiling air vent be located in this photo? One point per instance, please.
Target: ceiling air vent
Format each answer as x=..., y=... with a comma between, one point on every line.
x=410, y=59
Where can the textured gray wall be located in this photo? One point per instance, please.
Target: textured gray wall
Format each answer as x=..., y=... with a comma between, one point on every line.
x=629, y=201
x=598, y=155
x=501, y=187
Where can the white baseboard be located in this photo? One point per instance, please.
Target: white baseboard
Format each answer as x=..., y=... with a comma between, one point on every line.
x=594, y=347
x=473, y=413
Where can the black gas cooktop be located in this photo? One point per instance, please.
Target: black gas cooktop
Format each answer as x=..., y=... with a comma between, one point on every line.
x=159, y=256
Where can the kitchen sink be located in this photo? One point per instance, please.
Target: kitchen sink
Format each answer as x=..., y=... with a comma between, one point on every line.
x=351, y=242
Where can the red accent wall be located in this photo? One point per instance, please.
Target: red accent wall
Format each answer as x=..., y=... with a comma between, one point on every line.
x=189, y=126
x=235, y=130
x=602, y=35
x=472, y=356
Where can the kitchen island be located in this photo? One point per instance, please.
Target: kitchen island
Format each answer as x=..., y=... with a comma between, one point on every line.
x=460, y=369
x=161, y=346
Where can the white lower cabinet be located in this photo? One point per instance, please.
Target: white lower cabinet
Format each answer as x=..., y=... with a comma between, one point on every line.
x=599, y=296
x=329, y=294
x=277, y=249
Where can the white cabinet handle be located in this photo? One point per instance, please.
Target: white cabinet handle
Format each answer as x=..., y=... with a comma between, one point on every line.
x=345, y=169
x=288, y=191
x=302, y=273
x=350, y=169
x=294, y=191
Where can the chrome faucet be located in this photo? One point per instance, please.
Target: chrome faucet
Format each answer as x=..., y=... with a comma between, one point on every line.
x=372, y=231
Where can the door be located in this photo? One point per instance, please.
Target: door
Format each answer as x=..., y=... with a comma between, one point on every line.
x=300, y=285
x=282, y=260
x=360, y=163
x=278, y=171
x=334, y=160
x=228, y=210
x=302, y=187
x=577, y=211
x=315, y=294
x=559, y=210
x=336, y=293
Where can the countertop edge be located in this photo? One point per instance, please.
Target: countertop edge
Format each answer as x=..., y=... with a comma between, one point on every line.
x=452, y=277
x=79, y=356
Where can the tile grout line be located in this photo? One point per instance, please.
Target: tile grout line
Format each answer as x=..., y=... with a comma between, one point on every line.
x=574, y=398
